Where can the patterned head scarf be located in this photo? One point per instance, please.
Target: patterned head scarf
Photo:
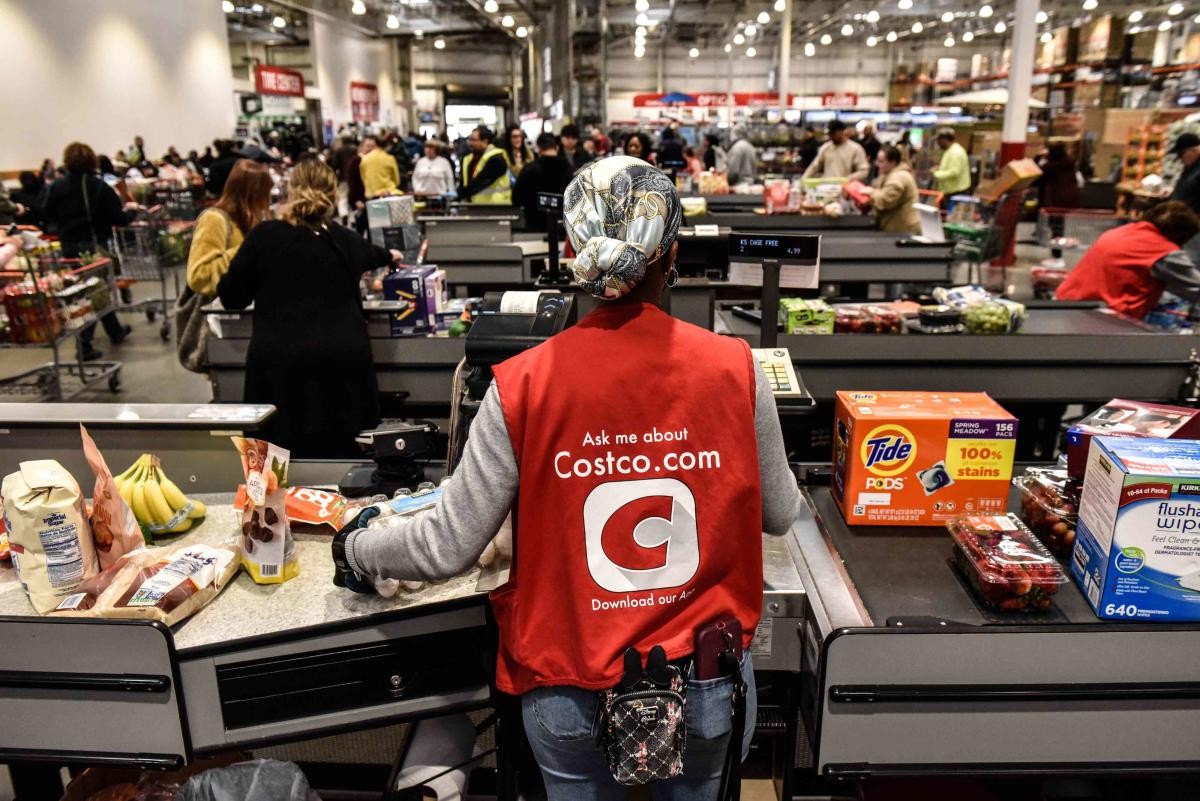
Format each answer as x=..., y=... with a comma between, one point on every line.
x=620, y=214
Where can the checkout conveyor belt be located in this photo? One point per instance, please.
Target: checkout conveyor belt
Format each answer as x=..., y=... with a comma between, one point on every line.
x=904, y=674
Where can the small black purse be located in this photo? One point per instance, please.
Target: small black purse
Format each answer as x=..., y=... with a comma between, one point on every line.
x=644, y=733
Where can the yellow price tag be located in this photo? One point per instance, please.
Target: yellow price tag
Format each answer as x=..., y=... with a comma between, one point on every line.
x=980, y=459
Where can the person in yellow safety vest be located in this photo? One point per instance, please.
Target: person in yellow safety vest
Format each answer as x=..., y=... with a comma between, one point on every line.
x=485, y=171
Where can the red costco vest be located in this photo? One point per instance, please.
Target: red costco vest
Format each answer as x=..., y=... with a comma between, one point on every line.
x=1116, y=270
x=639, y=515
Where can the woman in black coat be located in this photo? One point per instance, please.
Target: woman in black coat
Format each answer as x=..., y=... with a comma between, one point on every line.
x=309, y=351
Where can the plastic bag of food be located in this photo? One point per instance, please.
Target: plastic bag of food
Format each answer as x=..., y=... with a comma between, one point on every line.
x=1050, y=506
x=268, y=550
x=1004, y=563
x=48, y=531
x=115, y=530
x=256, y=780
x=164, y=584
x=960, y=297
x=997, y=316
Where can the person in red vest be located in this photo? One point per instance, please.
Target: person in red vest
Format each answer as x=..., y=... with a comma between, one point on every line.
x=1129, y=267
x=642, y=459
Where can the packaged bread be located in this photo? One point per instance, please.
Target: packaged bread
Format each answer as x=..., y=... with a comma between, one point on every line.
x=164, y=584
x=267, y=548
x=48, y=532
x=115, y=531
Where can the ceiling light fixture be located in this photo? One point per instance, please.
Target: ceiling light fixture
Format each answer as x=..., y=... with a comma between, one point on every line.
x=751, y=30
x=872, y=16
x=904, y=5
x=949, y=41
x=1046, y=37
x=780, y=5
x=892, y=36
x=1165, y=25
x=522, y=32
x=639, y=51
x=358, y=7
x=640, y=33
x=810, y=49
x=507, y=21
x=227, y=6
x=728, y=47
x=257, y=8
x=872, y=41
x=439, y=44
x=1196, y=20
x=751, y=52
x=826, y=39
x=491, y=6
x=1175, y=9
x=694, y=52
x=642, y=5
x=393, y=22
x=1042, y=18
x=847, y=29
x=763, y=18
x=738, y=39
x=968, y=36
x=985, y=11
x=1136, y=16
x=948, y=16
x=642, y=19
x=419, y=34
x=1000, y=27
x=917, y=27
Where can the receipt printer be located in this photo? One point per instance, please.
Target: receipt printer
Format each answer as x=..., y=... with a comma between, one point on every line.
x=512, y=322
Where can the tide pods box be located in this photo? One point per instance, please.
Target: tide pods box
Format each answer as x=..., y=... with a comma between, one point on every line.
x=920, y=458
x=1137, y=544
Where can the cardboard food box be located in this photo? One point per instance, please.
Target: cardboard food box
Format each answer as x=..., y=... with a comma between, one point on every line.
x=422, y=290
x=1014, y=176
x=920, y=458
x=386, y=212
x=1124, y=418
x=1137, y=544
x=800, y=316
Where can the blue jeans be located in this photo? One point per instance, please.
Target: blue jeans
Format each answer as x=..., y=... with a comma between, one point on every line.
x=564, y=725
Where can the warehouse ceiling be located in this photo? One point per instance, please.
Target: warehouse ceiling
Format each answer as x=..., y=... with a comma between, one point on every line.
x=708, y=25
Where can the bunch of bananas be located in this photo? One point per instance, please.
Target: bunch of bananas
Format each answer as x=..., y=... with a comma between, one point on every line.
x=159, y=506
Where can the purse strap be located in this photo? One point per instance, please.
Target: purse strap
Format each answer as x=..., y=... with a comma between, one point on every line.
x=87, y=208
x=731, y=773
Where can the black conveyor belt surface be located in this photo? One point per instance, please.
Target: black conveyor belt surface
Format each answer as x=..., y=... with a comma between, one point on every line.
x=906, y=572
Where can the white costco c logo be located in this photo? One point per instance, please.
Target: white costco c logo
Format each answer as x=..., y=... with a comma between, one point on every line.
x=678, y=534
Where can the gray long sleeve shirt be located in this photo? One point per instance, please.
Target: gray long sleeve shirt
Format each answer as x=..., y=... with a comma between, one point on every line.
x=449, y=538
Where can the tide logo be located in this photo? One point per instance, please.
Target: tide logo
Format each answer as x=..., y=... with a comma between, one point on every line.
x=889, y=450
x=641, y=535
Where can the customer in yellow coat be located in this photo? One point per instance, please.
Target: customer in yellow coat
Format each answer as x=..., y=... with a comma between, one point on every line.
x=220, y=229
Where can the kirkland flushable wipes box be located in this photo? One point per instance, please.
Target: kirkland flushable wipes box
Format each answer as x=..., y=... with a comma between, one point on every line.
x=1137, y=545
x=920, y=458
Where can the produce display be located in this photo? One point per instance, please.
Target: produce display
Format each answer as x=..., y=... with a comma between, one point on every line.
x=1004, y=563
x=159, y=505
x=1050, y=507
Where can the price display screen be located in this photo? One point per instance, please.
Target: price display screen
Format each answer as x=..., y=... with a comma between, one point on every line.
x=548, y=201
x=796, y=249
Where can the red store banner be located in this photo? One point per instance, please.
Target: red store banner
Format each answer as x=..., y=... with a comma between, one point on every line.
x=278, y=81
x=712, y=100
x=364, y=101
x=839, y=99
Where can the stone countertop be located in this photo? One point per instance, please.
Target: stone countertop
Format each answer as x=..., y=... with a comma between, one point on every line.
x=245, y=610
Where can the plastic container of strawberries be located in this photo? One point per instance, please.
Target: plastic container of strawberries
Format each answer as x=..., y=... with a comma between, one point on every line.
x=1006, y=565
x=1050, y=507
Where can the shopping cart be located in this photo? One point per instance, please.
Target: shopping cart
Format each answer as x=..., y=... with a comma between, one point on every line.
x=980, y=243
x=154, y=249
x=1068, y=233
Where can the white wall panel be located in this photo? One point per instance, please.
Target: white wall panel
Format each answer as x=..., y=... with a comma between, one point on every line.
x=343, y=55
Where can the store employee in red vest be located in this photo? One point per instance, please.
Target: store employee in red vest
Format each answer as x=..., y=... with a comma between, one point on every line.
x=1129, y=267
x=642, y=460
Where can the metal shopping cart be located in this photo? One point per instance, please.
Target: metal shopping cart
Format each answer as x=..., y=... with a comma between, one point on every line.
x=154, y=249
x=984, y=241
x=1067, y=233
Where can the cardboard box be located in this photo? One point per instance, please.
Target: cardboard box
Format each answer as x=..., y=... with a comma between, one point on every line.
x=1137, y=544
x=800, y=316
x=1015, y=176
x=386, y=212
x=419, y=289
x=920, y=458
x=1127, y=419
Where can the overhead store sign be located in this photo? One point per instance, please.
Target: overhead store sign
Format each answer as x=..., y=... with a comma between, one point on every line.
x=364, y=101
x=839, y=99
x=278, y=81
x=711, y=99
